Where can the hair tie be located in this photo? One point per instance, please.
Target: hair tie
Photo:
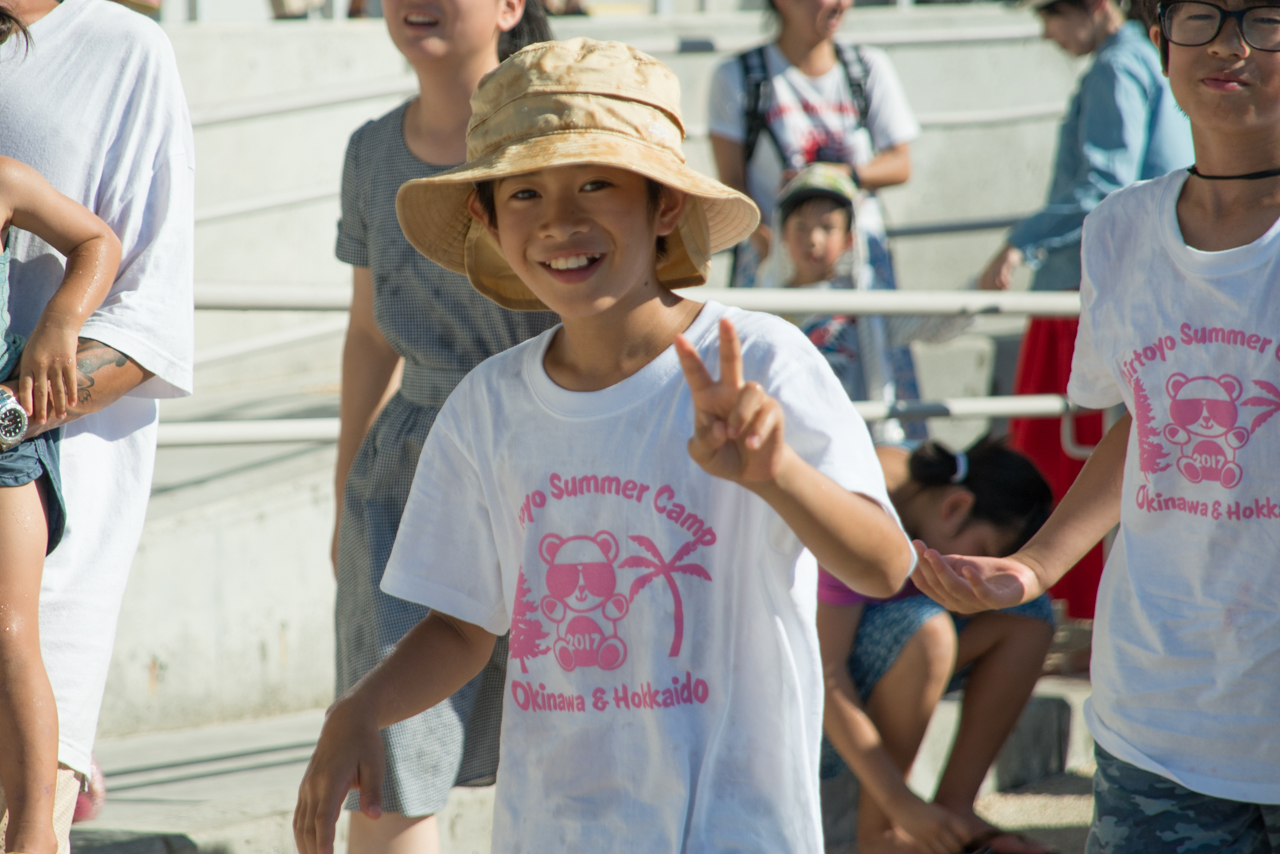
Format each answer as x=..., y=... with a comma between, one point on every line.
x=962, y=467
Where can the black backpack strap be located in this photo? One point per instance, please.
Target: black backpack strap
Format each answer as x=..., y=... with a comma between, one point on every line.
x=855, y=71
x=755, y=87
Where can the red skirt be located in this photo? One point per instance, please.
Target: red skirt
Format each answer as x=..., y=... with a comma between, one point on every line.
x=1044, y=366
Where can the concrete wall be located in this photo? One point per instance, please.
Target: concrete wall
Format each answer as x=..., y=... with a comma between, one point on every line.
x=228, y=613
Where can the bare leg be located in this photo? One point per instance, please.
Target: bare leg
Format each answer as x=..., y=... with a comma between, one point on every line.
x=900, y=706
x=393, y=834
x=1007, y=653
x=28, y=716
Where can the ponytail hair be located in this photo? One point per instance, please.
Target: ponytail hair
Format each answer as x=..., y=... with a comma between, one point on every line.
x=1008, y=490
x=532, y=29
x=9, y=25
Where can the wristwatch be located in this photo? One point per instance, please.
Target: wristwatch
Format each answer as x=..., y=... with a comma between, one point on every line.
x=13, y=420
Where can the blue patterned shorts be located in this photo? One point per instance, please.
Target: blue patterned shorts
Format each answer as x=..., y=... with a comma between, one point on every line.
x=883, y=632
x=1137, y=812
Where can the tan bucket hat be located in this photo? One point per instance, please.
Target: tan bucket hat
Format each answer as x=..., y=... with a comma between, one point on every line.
x=564, y=103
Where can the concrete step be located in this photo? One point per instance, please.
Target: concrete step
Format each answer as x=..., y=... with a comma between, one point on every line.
x=231, y=788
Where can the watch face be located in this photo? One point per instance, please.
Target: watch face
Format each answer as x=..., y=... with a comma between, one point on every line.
x=12, y=424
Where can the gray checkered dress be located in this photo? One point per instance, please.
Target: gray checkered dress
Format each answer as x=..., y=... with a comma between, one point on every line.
x=443, y=328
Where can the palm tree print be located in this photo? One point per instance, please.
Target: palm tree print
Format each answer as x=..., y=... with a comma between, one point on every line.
x=1271, y=404
x=667, y=570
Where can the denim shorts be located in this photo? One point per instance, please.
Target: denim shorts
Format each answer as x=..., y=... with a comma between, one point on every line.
x=1136, y=812
x=29, y=461
x=883, y=632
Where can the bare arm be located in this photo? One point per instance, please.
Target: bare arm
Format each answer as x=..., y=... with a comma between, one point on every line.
x=738, y=435
x=46, y=384
x=370, y=376
x=103, y=376
x=850, y=535
x=429, y=664
x=887, y=169
x=857, y=740
x=1088, y=511
x=731, y=166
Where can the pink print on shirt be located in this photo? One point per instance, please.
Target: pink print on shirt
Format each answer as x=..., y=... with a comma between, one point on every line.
x=667, y=571
x=1208, y=426
x=581, y=620
x=580, y=582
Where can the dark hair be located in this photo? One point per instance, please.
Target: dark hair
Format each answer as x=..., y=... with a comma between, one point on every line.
x=792, y=206
x=485, y=189
x=9, y=24
x=1008, y=490
x=532, y=29
x=1142, y=11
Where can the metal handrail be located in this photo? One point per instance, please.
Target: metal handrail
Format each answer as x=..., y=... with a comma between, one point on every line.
x=325, y=430
x=241, y=297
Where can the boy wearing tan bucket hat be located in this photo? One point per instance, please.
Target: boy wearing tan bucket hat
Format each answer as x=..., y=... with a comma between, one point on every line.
x=664, y=691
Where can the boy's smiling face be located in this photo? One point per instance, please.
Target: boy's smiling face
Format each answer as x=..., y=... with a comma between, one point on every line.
x=1226, y=86
x=581, y=237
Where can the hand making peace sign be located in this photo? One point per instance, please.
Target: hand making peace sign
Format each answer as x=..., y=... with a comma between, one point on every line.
x=738, y=428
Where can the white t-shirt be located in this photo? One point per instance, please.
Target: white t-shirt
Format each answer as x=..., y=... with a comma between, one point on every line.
x=96, y=106
x=812, y=114
x=664, y=690
x=1186, y=651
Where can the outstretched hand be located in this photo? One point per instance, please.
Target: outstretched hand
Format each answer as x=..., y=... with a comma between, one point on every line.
x=967, y=585
x=738, y=428
x=349, y=755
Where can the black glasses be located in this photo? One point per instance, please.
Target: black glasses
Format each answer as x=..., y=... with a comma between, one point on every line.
x=1192, y=24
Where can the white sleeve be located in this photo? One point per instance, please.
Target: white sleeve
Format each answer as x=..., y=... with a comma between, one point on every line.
x=445, y=556
x=889, y=118
x=727, y=112
x=148, y=199
x=1092, y=384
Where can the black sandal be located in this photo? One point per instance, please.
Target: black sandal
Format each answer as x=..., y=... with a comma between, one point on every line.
x=978, y=844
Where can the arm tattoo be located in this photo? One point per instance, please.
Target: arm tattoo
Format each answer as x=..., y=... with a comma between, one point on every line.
x=90, y=357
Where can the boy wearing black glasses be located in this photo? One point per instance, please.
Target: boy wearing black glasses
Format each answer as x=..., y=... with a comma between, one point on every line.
x=1180, y=320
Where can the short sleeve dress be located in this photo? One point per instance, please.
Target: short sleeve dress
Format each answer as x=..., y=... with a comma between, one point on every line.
x=443, y=328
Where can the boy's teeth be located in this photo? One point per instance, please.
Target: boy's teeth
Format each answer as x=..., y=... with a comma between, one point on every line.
x=420, y=20
x=572, y=263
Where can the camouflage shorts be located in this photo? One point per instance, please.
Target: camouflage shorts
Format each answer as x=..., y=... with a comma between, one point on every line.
x=1137, y=812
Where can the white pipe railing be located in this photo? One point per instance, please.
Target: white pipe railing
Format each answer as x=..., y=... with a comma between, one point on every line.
x=838, y=301
x=774, y=300
x=299, y=430
x=329, y=325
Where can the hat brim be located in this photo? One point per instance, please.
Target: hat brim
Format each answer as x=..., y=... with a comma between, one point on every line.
x=434, y=217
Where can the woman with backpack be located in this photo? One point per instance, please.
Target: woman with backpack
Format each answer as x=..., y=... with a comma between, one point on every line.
x=804, y=98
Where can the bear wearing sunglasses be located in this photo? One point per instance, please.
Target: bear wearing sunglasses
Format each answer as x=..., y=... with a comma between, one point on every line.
x=1204, y=415
x=582, y=594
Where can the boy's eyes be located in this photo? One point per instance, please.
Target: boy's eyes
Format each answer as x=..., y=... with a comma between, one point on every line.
x=527, y=193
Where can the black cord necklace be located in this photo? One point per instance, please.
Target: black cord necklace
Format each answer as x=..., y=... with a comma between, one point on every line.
x=1251, y=176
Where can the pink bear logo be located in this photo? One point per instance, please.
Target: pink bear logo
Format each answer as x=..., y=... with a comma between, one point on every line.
x=580, y=582
x=1204, y=415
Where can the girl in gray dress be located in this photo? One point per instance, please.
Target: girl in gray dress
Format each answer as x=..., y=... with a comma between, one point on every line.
x=415, y=331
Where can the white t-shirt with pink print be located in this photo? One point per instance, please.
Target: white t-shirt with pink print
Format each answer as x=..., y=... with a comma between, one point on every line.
x=1186, y=647
x=664, y=689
